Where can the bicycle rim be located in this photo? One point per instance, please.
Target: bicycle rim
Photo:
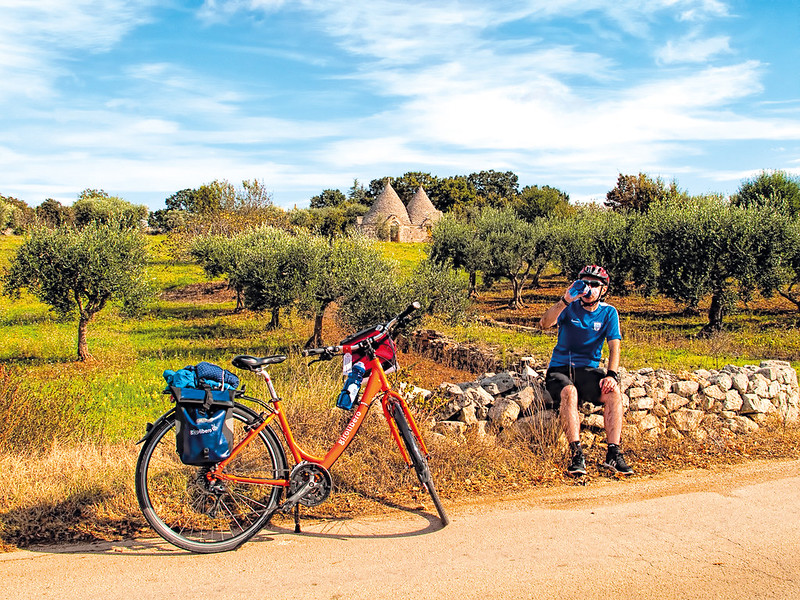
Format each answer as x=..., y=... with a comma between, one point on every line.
x=419, y=461
x=189, y=512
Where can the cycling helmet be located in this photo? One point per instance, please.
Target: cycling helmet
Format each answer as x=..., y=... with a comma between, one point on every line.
x=594, y=271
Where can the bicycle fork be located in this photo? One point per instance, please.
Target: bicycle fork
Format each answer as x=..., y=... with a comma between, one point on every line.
x=388, y=407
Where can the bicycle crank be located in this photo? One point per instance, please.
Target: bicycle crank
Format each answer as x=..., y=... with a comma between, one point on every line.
x=309, y=484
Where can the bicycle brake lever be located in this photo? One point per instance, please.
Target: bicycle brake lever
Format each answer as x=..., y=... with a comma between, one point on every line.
x=322, y=357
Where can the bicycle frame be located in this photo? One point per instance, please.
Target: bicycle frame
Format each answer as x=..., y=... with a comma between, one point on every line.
x=377, y=384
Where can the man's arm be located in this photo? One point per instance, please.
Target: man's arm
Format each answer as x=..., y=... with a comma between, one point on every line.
x=613, y=355
x=550, y=317
x=609, y=383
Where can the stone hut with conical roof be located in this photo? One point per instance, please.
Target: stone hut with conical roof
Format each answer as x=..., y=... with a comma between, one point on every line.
x=389, y=219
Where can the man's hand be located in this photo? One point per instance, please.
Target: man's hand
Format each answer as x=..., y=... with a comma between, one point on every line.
x=608, y=385
x=576, y=290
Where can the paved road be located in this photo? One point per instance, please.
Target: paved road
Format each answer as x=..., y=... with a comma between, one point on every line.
x=732, y=532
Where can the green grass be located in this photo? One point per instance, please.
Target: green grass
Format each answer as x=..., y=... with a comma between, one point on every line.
x=120, y=388
x=406, y=254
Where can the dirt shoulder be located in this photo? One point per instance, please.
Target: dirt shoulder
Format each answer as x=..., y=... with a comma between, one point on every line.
x=725, y=532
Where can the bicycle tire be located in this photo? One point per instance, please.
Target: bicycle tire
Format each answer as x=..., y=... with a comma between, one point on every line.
x=190, y=513
x=419, y=462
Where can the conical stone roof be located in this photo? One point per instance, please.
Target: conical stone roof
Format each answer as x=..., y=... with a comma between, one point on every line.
x=420, y=208
x=386, y=205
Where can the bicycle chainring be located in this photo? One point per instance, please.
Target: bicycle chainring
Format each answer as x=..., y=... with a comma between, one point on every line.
x=305, y=471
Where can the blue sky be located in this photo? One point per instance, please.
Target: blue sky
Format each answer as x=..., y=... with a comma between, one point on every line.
x=143, y=98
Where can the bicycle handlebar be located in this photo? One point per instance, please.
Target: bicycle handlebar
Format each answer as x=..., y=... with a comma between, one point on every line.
x=382, y=331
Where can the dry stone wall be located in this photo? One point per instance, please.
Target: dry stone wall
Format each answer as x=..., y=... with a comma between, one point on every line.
x=732, y=400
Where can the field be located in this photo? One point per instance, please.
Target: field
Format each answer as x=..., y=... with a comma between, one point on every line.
x=69, y=430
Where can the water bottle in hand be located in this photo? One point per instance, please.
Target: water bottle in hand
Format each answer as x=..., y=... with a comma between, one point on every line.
x=349, y=394
x=578, y=289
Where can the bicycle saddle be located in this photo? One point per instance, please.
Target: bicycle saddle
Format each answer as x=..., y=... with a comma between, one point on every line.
x=251, y=363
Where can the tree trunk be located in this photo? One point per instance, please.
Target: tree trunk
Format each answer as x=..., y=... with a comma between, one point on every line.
x=276, y=319
x=315, y=341
x=83, y=344
x=518, y=282
x=537, y=273
x=516, y=301
x=691, y=310
x=715, y=314
x=473, y=284
x=239, y=300
x=790, y=298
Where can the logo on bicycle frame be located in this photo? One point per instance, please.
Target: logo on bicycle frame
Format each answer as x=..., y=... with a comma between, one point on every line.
x=349, y=429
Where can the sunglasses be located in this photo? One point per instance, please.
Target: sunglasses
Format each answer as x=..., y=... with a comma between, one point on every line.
x=592, y=283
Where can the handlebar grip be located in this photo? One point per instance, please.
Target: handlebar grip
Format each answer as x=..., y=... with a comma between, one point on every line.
x=317, y=351
x=409, y=309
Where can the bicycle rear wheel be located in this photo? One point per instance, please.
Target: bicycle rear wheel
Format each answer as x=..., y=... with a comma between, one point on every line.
x=418, y=460
x=203, y=516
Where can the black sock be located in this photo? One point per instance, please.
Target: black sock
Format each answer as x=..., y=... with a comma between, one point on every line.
x=575, y=448
x=613, y=448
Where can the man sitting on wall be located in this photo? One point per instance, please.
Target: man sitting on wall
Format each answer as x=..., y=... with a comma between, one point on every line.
x=574, y=374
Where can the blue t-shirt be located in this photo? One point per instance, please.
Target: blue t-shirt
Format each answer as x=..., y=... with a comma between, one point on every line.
x=581, y=334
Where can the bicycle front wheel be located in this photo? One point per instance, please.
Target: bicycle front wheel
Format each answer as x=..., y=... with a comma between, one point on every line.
x=193, y=513
x=418, y=460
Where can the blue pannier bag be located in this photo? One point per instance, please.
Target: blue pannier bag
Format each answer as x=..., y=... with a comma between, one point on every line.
x=203, y=425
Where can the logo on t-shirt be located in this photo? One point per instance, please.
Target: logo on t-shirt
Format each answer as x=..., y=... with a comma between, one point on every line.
x=597, y=325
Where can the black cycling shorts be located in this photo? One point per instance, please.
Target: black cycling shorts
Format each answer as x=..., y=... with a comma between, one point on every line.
x=585, y=379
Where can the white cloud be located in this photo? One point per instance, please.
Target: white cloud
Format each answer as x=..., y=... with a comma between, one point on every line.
x=453, y=98
x=693, y=49
x=36, y=37
x=86, y=24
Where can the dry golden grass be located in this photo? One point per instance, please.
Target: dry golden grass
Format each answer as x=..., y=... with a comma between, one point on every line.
x=68, y=493
x=85, y=492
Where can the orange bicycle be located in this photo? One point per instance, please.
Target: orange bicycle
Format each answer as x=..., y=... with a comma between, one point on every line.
x=218, y=507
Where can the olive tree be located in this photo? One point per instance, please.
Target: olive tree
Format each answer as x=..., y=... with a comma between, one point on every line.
x=441, y=290
x=575, y=238
x=509, y=245
x=80, y=271
x=708, y=246
x=340, y=270
x=379, y=296
x=455, y=241
x=96, y=206
x=791, y=265
x=219, y=255
x=272, y=270
x=613, y=239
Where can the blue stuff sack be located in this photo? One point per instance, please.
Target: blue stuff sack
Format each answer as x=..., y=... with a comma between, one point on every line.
x=215, y=376
x=182, y=378
x=203, y=425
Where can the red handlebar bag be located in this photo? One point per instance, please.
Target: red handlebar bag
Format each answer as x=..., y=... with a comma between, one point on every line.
x=385, y=352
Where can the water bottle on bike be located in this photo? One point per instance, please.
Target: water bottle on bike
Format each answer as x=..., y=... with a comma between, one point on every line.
x=348, y=397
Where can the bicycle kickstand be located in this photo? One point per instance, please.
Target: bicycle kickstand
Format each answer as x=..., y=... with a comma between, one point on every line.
x=297, y=518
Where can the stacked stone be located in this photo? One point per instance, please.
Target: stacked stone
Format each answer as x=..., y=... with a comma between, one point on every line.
x=733, y=400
